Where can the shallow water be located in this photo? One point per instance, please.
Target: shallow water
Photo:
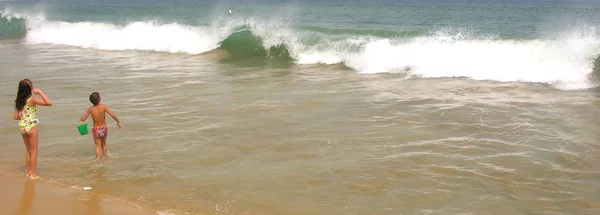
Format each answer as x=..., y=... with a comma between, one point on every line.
x=227, y=139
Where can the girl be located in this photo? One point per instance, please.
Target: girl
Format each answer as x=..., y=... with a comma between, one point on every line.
x=25, y=108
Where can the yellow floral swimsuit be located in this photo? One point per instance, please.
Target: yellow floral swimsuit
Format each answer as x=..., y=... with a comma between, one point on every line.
x=28, y=119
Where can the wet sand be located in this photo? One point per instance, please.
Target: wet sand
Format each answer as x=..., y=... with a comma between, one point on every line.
x=21, y=196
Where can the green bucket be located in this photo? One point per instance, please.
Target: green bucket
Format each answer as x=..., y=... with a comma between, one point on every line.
x=83, y=129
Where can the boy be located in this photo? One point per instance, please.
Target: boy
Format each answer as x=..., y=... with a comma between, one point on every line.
x=100, y=131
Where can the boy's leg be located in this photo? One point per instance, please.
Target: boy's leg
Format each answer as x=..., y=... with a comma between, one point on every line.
x=97, y=147
x=104, y=150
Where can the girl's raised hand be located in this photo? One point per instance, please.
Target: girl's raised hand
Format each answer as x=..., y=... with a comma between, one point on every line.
x=36, y=91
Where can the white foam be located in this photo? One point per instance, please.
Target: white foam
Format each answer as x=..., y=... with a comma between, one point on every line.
x=152, y=35
x=565, y=61
x=319, y=58
x=566, y=64
x=173, y=38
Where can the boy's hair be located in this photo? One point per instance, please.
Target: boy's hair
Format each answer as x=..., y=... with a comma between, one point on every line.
x=95, y=98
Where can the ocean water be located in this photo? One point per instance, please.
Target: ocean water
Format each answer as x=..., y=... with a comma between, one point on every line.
x=315, y=107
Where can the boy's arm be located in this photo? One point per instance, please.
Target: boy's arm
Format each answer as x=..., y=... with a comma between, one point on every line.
x=85, y=115
x=16, y=115
x=113, y=115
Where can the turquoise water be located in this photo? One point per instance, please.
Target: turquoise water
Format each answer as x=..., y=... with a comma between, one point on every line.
x=316, y=107
x=507, y=19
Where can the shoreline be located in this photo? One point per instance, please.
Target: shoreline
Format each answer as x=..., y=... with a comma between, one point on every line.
x=24, y=196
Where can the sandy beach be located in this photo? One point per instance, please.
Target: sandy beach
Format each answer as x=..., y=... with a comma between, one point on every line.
x=21, y=196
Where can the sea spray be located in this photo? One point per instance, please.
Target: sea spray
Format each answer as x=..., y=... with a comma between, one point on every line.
x=12, y=27
x=565, y=62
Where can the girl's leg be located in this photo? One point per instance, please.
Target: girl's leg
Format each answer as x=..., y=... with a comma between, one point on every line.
x=33, y=148
x=27, y=155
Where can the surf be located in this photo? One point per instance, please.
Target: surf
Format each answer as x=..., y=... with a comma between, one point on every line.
x=565, y=62
x=12, y=27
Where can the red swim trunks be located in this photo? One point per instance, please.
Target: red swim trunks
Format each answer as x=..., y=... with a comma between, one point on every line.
x=100, y=132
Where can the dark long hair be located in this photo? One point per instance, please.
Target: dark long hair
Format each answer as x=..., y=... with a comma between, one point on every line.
x=23, y=94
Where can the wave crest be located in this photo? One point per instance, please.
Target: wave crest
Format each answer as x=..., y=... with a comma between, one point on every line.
x=12, y=27
x=243, y=44
x=565, y=62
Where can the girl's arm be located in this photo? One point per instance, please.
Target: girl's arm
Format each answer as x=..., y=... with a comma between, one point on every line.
x=114, y=116
x=16, y=115
x=45, y=101
x=85, y=115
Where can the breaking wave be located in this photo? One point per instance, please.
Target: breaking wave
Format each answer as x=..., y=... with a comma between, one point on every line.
x=566, y=62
